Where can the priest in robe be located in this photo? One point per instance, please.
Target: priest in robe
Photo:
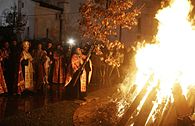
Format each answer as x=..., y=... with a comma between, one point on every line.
x=25, y=72
x=39, y=58
x=3, y=87
x=59, y=66
x=78, y=88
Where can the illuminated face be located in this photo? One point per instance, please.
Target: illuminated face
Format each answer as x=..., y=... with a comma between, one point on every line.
x=26, y=46
x=78, y=50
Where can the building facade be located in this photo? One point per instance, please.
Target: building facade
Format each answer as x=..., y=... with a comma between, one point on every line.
x=58, y=20
x=28, y=9
x=48, y=21
x=43, y=19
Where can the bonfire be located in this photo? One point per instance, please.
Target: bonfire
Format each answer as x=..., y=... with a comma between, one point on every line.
x=161, y=90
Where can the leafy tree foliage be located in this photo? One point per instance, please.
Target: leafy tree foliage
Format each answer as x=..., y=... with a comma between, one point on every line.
x=101, y=20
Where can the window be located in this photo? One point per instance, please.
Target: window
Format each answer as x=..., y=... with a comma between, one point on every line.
x=22, y=4
x=28, y=32
x=47, y=33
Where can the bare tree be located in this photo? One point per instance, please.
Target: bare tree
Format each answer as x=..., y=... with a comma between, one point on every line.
x=15, y=20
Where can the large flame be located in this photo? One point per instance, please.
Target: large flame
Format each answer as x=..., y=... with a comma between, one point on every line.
x=171, y=59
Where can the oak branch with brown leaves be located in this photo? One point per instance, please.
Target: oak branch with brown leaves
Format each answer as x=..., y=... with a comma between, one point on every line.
x=101, y=20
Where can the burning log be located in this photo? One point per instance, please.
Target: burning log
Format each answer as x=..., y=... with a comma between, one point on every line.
x=183, y=110
x=180, y=102
x=133, y=106
x=146, y=108
x=169, y=117
x=162, y=112
x=191, y=98
x=176, y=112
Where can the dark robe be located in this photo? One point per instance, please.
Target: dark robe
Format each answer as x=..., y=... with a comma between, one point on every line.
x=3, y=103
x=14, y=58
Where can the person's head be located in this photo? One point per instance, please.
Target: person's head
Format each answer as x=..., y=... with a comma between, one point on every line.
x=26, y=46
x=49, y=44
x=14, y=42
x=59, y=47
x=69, y=48
x=6, y=45
x=75, y=50
x=78, y=50
x=39, y=46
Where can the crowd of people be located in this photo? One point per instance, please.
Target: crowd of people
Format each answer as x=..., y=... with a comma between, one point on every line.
x=23, y=68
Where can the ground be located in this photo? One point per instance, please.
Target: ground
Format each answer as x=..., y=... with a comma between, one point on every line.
x=49, y=108
x=86, y=113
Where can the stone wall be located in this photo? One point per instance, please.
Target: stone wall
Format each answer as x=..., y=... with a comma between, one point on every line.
x=47, y=23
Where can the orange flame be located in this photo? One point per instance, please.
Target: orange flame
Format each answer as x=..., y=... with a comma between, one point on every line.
x=171, y=59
